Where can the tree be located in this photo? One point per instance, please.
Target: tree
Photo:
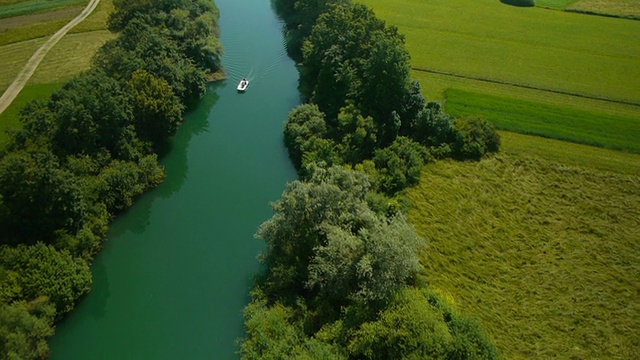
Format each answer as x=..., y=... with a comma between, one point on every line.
x=44, y=271
x=356, y=135
x=24, y=329
x=91, y=112
x=157, y=110
x=121, y=181
x=368, y=266
x=39, y=196
x=331, y=197
x=335, y=53
x=399, y=165
x=418, y=325
x=474, y=138
x=304, y=122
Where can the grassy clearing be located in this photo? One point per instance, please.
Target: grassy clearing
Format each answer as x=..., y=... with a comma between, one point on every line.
x=97, y=20
x=554, y=50
x=558, y=122
x=71, y=56
x=35, y=6
x=10, y=119
x=545, y=254
x=14, y=57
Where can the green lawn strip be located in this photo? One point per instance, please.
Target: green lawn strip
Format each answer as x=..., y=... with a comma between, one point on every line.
x=564, y=123
x=10, y=118
x=434, y=87
x=545, y=254
x=594, y=56
x=35, y=6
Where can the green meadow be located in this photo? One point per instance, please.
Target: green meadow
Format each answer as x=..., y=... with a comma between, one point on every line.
x=584, y=59
x=552, y=121
x=543, y=250
x=539, y=242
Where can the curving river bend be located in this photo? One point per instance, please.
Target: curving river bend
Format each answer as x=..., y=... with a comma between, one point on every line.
x=174, y=276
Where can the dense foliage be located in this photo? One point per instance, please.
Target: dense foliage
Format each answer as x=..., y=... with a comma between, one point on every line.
x=340, y=282
x=364, y=109
x=341, y=264
x=86, y=153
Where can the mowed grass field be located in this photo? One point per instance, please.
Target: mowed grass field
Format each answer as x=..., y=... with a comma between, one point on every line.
x=542, y=246
x=557, y=58
x=71, y=56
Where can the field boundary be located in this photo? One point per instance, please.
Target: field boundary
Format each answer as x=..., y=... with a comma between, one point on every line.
x=524, y=86
x=27, y=71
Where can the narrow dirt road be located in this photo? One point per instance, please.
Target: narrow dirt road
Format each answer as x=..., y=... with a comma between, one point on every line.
x=25, y=74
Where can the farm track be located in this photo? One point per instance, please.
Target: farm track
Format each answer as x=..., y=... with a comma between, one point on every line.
x=25, y=74
x=524, y=86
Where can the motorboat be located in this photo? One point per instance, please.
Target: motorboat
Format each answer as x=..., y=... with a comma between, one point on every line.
x=243, y=85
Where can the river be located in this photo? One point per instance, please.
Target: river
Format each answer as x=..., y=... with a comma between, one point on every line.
x=174, y=275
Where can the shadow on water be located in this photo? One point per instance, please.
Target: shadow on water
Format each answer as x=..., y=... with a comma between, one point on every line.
x=173, y=156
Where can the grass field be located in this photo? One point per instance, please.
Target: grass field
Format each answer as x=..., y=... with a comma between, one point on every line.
x=14, y=56
x=545, y=252
x=69, y=57
x=558, y=122
x=577, y=54
x=12, y=8
x=9, y=119
x=22, y=28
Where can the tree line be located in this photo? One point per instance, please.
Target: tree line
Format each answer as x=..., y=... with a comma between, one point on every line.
x=342, y=276
x=86, y=153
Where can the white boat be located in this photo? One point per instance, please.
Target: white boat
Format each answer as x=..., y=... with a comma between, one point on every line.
x=242, y=86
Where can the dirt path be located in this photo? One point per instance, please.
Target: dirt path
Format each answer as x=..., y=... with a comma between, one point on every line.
x=25, y=74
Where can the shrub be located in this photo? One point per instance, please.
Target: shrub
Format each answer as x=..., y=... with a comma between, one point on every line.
x=522, y=3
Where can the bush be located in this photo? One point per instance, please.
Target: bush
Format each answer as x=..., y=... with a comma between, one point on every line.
x=474, y=138
x=522, y=3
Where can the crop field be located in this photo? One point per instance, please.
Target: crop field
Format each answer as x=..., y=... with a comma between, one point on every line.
x=10, y=8
x=496, y=45
x=558, y=122
x=544, y=251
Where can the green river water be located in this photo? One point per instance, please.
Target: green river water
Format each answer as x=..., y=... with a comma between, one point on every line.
x=174, y=275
